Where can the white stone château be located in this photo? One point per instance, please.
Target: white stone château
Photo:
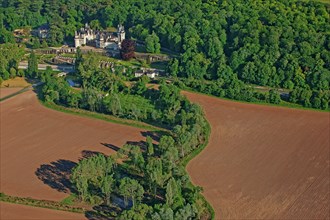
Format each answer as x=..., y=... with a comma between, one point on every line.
x=100, y=39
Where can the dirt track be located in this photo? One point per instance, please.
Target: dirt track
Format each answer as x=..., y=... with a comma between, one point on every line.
x=7, y=91
x=264, y=162
x=40, y=145
x=10, y=212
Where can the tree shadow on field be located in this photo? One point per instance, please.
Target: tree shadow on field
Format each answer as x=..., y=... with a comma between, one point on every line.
x=57, y=175
x=111, y=146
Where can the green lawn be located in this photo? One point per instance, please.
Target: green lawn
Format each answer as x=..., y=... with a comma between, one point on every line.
x=140, y=102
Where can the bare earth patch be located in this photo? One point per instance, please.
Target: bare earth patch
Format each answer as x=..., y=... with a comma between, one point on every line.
x=39, y=146
x=264, y=162
x=21, y=212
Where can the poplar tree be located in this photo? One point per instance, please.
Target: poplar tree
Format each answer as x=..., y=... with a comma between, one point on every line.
x=115, y=105
x=154, y=172
x=79, y=58
x=150, y=146
x=173, y=195
x=32, y=69
x=107, y=187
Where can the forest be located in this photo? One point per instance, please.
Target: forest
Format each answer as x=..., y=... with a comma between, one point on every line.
x=281, y=44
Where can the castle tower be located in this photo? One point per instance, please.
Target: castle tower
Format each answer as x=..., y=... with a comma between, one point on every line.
x=76, y=39
x=121, y=34
x=101, y=41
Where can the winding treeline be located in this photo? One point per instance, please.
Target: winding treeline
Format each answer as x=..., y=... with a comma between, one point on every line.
x=148, y=180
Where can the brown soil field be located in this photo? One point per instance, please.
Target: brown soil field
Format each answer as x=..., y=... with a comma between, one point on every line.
x=21, y=212
x=39, y=146
x=264, y=162
x=7, y=91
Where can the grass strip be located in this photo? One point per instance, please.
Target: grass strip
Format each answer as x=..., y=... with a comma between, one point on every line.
x=40, y=203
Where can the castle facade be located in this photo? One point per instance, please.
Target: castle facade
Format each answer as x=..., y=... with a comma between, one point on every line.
x=100, y=39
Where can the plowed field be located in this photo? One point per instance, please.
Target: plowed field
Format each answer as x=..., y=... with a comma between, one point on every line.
x=264, y=162
x=21, y=212
x=7, y=91
x=39, y=146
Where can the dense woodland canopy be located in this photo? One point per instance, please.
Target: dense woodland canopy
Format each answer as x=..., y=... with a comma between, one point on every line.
x=273, y=43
